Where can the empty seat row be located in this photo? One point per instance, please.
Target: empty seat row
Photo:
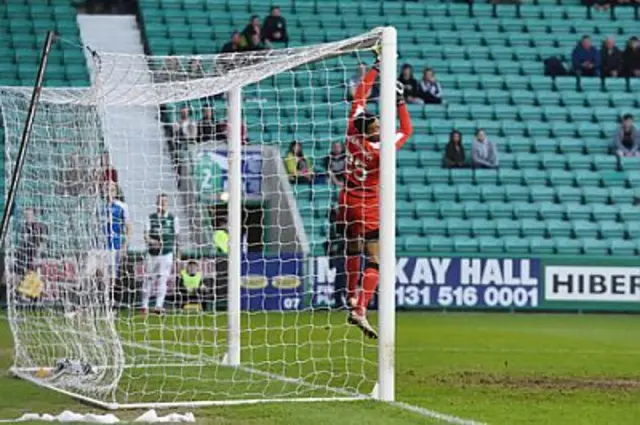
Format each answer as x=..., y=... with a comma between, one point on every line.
x=516, y=245
x=498, y=209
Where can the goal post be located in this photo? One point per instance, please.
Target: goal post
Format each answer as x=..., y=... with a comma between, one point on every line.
x=259, y=330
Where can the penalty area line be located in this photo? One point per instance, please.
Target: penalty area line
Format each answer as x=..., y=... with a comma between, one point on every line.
x=443, y=417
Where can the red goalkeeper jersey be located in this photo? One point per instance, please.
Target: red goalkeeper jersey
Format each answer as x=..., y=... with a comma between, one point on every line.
x=363, y=156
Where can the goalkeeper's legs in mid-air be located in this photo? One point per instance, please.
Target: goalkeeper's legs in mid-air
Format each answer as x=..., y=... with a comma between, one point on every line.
x=359, y=300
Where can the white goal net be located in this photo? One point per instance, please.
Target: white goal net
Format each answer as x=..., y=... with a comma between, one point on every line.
x=124, y=304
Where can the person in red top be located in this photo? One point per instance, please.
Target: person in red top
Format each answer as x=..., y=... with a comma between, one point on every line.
x=360, y=197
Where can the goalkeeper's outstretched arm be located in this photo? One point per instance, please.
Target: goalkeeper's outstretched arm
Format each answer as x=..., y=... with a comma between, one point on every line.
x=406, y=129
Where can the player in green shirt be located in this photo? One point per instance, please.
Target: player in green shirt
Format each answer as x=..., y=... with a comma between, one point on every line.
x=161, y=236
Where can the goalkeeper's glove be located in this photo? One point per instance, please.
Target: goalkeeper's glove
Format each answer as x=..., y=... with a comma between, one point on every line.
x=377, y=52
x=399, y=93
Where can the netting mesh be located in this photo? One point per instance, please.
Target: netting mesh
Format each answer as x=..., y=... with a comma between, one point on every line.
x=79, y=294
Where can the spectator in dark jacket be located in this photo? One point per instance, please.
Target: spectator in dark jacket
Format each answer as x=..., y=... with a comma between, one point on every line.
x=429, y=88
x=247, y=39
x=611, y=58
x=586, y=58
x=208, y=128
x=454, y=153
x=411, y=91
x=233, y=45
x=631, y=58
x=626, y=140
x=274, y=28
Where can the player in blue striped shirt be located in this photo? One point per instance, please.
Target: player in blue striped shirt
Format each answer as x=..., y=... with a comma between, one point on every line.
x=116, y=230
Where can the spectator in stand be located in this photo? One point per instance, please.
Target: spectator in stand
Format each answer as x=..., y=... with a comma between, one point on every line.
x=32, y=237
x=335, y=164
x=631, y=58
x=109, y=174
x=184, y=131
x=483, y=152
x=611, y=58
x=256, y=44
x=233, y=45
x=586, y=58
x=195, y=69
x=297, y=165
x=208, y=128
x=247, y=41
x=411, y=92
x=454, y=153
x=274, y=28
x=429, y=88
x=626, y=140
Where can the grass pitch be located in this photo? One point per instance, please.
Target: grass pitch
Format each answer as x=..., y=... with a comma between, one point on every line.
x=496, y=368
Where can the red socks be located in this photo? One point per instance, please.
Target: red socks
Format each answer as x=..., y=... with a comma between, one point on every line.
x=369, y=284
x=353, y=275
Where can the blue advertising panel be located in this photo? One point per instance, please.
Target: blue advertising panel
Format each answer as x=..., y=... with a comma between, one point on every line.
x=272, y=282
x=484, y=283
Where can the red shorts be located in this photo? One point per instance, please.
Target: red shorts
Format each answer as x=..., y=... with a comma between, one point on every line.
x=360, y=215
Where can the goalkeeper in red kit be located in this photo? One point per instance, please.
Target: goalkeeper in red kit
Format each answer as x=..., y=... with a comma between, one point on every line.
x=360, y=197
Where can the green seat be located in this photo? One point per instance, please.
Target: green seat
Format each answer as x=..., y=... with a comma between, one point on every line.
x=541, y=246
x=483, y=227
x=491, y=82
x=595, y=195
x=551, y=161
x=601, y=212
x=468, y=193
x=409, y=227
x=532, y=228
x=548, y=98
x=623, y=248
x=611, y=230
x=425, y=193
x=412, y=176
x=579, y=162
x=580, y=114
x=433, y=227
x=588, y=129
x=485, y=177
x=568, y=194
x=516, y=193
x=561, y=177
x=415, y=244
x=481, y=112
x=570, y=145
x=425, y=209
x=461, y=176
x=584, y=229
x=466, y=82
x=492, y=193
x=531, y=113
x=465, y=245
x=632, y=229
x=567, y=246
x=490, y=245
x=439, y=244
x=500, y=210
x=524, y=210
x=505, y=228
x=543, y=194
x=476, y=210
x=515, y=246
x=436, y=176
x=513, y=128
x=458, y=228
x=551, y=211
x=527, y=161
x=458, y=112
x=534, y=177
x=518, y=144
x=559, y=228
x=563, y=129
x=404, y=209
x=451, y=210
x=622, y=195
x=585, y=178
x=577, y=211
x=505, y=112
x=605, y=163
x=595, y=247
x=623, y=100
